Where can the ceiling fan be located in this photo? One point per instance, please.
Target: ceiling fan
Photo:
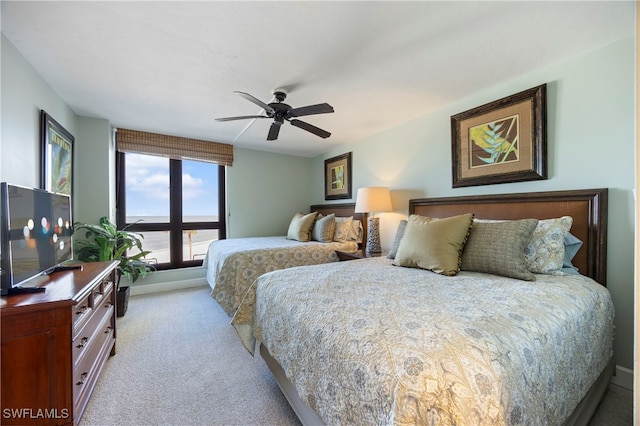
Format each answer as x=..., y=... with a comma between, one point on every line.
x=280, y=112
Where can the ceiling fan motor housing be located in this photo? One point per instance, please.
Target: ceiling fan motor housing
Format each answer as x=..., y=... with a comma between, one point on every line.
x=280, y=110
x=280, y=95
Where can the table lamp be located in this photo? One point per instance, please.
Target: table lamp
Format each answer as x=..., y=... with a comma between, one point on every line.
x=371, y=200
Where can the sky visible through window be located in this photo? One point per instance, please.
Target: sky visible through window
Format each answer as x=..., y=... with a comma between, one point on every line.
x=147, y=188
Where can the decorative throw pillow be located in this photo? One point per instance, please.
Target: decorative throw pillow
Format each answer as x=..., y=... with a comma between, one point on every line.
x=300, y=226
x=396, y=241
x=356, y=231
x=343, y=228
x=545, y=252
x=498, y=248
x=434, y=244
x=571, y=246
x=324, y=228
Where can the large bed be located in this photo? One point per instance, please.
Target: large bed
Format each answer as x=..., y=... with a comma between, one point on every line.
x=233, y=264
x=368, y=342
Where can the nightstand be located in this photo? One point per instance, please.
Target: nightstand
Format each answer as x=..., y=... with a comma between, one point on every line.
x=343, y=255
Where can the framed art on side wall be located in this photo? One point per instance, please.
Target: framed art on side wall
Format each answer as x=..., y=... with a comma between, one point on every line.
x=502, y=141
x=337, y=177
x=57, y=156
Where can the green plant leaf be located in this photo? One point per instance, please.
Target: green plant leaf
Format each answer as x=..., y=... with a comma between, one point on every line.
x=105, y=242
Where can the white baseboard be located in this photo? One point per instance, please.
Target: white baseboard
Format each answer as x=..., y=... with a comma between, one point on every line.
x=166, y=286
x=623, y=377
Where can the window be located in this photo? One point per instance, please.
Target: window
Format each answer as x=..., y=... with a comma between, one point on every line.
x=177, y=205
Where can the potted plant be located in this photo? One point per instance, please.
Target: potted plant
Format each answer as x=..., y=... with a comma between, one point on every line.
x=105, y=242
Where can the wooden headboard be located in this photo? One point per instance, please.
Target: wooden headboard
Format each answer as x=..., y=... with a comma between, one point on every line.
x=587, y=207
x=343, y=210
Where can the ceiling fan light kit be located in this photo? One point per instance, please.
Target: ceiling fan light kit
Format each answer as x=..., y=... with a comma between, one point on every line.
x=279, y=112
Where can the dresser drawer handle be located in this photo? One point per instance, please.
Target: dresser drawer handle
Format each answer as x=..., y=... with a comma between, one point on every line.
x=83, y=342
x=108, y=305
x=82, y=310
x=83, y=377
x=108, y=330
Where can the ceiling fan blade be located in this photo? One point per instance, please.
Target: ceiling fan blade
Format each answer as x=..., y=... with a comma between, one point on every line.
x=310, y=110
x=310, y=128
x=274, y=131
x=256, y=101
x=241, y=117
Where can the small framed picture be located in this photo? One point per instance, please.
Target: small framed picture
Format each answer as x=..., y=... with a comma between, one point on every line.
x=337, y=177
x=57, y=156
x=502, y=141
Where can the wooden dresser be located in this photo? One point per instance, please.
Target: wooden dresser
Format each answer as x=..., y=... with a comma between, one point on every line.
x=55, y=344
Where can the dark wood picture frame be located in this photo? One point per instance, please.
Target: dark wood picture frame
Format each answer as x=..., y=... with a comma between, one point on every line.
x=502, y=141
x=56, y=174
x=337, y=177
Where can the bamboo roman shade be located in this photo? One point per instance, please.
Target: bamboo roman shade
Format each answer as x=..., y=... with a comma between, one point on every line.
x=174, y=147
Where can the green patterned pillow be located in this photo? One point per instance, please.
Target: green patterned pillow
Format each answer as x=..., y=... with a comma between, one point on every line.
x=300, y=226
x=498, y=248
x=434, y=244
x=324, y=228
x=545, y=252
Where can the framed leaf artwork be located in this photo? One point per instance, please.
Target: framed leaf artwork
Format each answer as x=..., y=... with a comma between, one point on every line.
x=502, y=141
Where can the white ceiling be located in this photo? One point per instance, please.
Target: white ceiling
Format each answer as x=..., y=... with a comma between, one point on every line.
x=172, y=67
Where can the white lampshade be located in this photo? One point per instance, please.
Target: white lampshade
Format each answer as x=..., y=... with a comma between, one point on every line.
x=373, y=199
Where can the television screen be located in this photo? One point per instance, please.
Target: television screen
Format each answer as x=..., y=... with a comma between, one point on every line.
x=36, y=233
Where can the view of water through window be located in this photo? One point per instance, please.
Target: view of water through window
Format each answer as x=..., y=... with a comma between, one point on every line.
x=147, y=189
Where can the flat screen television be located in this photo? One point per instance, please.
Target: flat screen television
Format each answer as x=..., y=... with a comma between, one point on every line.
x=35, y=233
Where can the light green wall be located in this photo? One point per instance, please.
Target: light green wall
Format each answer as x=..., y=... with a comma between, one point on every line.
x=591, y=139
x=264, y=190
x=95, y=167
x=24, y=94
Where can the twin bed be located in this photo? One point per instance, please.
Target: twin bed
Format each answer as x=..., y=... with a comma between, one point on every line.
x=234, y=264
x=368, y=342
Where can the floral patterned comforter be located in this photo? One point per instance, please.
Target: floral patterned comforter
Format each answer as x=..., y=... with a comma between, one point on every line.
x=233, y=264
x=365, y=342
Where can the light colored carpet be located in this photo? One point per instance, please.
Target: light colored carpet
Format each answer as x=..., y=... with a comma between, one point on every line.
x=179, y=362
x=615, y=409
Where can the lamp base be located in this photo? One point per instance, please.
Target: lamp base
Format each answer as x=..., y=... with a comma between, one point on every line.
x=373, y=235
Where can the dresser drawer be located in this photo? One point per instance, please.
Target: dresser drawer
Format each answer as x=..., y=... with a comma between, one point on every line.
x=90, y=361
x=82, y=312
x=99, y=323
x=101, y=292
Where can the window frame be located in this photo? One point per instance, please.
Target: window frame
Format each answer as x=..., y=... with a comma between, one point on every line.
x=175, y=225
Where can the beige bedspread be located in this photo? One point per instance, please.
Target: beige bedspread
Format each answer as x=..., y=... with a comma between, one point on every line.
x=233, y=264
x=365, y=342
